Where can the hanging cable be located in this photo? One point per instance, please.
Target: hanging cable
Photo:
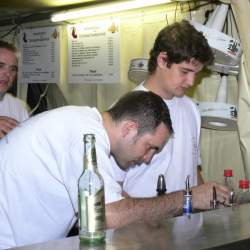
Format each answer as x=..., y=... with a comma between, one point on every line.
x=167, y=18
x=9, y=31
x=39, y=101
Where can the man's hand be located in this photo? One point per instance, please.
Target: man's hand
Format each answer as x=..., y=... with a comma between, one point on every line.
x=6, y=125
x=203, y=194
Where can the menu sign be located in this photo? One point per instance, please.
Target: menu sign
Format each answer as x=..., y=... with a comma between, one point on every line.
x=39, y=59
x=93, y=52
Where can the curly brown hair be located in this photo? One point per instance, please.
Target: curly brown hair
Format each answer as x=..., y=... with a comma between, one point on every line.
x=182, y=42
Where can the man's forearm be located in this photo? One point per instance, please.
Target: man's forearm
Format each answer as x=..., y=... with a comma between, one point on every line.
x=130, y=210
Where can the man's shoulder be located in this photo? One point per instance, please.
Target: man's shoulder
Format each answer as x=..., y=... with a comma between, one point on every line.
x=73, y=111
x=188, y=102
x=10, y=98
x=185, y=106
x=15, y=103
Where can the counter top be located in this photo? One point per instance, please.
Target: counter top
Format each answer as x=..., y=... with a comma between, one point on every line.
x=227, y=228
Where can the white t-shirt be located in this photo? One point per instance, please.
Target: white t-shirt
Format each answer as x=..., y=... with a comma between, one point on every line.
x=178, y=159
x=13, y=107
x=40, y=164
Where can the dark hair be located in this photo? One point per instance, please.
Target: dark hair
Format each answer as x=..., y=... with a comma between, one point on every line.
x=9, y=46
x=144, y=107
x=182, y=42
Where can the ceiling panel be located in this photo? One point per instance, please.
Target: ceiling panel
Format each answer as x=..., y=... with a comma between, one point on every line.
x=12, y=9
x=40, y=3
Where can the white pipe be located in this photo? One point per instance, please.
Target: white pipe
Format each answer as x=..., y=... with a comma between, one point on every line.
x=211, y=18
x=222, y=90
x=217, y=22
x=220, y=17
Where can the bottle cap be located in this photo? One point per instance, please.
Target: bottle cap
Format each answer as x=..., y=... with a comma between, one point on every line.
x=244, y=184
x=228, y=172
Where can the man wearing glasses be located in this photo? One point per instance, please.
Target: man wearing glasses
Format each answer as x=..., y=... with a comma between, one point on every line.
x=12, y=109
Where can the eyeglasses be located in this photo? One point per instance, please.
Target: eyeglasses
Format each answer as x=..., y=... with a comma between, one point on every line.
x=11, y=68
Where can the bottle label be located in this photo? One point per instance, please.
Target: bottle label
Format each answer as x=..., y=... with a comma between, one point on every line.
x=92, y=211
x=187, y=206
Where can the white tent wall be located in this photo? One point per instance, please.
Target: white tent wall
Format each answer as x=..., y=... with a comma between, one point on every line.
x=241, y=10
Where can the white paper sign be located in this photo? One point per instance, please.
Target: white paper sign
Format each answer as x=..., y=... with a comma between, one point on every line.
x=39, y=61
x=93, y=52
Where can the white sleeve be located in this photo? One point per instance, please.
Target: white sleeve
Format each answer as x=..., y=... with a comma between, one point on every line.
x=6, y=234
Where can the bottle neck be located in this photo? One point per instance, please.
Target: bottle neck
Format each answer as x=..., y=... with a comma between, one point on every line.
x=228, y=181
x=89, y=160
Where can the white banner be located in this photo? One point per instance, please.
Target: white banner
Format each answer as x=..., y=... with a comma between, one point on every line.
x=93, y=52
x=39, y=60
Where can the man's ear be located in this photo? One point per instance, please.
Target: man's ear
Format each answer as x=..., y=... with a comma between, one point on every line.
x=162, y=60
x=129, y=128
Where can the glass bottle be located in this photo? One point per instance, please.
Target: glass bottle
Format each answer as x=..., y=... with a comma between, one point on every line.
x=243, y=195
x=228, y=181
x=91, y=196
x=228, y=178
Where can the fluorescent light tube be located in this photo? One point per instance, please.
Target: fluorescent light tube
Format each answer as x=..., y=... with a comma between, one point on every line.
x=105, y=9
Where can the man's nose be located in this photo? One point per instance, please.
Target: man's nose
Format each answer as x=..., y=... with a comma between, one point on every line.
x=190, y=80
x=148, y=157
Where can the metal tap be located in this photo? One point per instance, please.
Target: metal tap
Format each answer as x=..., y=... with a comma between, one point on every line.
x=161, y=185
x=214, y=203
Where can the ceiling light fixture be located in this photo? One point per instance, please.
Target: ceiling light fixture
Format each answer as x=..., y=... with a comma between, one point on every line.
x=105, y=9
